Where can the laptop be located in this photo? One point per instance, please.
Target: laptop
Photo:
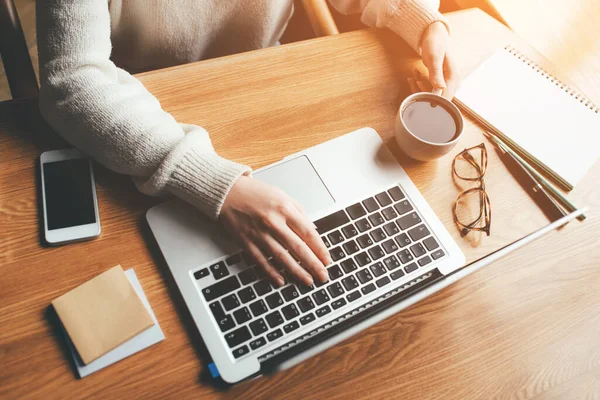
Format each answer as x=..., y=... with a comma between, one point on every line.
x=387, y=244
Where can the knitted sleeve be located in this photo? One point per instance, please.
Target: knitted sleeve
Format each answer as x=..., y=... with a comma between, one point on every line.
x=108, y=114
x=407, y=18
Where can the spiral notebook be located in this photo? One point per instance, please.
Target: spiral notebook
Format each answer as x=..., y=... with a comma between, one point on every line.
x=553, y=127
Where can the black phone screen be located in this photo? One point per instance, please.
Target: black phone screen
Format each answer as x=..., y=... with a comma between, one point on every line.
x=68, y=192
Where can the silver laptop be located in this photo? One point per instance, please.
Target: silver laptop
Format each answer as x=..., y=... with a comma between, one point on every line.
x=386, y=243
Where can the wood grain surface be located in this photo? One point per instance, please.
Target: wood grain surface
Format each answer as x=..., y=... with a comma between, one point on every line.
x=527, y=326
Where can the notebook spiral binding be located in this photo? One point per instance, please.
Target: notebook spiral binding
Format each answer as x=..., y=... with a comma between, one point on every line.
x=575, y=94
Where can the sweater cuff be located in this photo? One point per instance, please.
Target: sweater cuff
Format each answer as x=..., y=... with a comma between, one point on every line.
x=410, y=19
x=193, y=172
x=204, y=180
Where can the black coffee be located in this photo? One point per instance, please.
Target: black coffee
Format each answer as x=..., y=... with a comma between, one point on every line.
x=430, y=121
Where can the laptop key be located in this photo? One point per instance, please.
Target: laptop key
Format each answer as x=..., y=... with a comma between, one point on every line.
x=418, y=250
x=332, y=221
x=430, y=243
x=221, y=288
x=320, y=297
x=405, y=256
x=338, y=303
x=397, y=274
x=307, y=319
x=391, y=263
x=364, y=275
x=274, y=319
x=242, y=315
x=217, y=310
x=335, y=272
x=424, y=261
x=364, y=240
x=321, y=312
x=403, y=207
x=201, y=273
x=396, y=193
x=219, y=270
x=234, y=259
x=246, y=295
x=258, y=326
x=230, y=302
x=348, y=265
x=238, y=336
x=349, y=231
x=389, y=213
x=383, y=199
x=292, y=326
x=390, y=246
x=273, y=335
x=418, y=232
x=240, y=351
x=376, y=219
x=376, y=253
x=335, y=237
x=306, y=304
x=335, y=289
x=362, y=259
x=390, y=228
x=368, y=289
x=370, y=204
x=256, y=343
x=350, y=282
x=356, y=211
x=363, y=225
x=350, y=247
x=247, y=276
x=337, y=254
x=274, y=300
x=290, y=311
x=305, y=289
x=262, y=287
x=403, y=240
x=377, y=269
x=290, y=292
x=410, y=268
x=437, y=254
x=378, y=235
x=382, y=281
x=326, y=241
x=353, y=296
x=258, y=308
x=226, y=323
x=408, y=220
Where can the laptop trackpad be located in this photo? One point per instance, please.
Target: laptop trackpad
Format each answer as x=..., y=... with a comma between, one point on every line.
x=299, y=179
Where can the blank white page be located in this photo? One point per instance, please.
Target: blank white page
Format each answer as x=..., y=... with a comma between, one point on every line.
x=544, y=119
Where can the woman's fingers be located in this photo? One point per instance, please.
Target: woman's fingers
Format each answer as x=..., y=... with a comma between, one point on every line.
x=280, y=254
x=302, y=252
x=306, y=232
x=413, y=85
x=452, y=77
x=262, y=262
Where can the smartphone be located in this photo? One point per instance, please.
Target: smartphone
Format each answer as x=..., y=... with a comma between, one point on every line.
x=69, y=197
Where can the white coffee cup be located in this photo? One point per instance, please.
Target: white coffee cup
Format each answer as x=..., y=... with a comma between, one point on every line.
x=417, y=147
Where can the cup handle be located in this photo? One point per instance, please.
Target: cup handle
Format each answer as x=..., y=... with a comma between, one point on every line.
x=437, y=91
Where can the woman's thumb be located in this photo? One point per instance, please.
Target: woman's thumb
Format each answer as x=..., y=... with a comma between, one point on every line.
x=436, y=72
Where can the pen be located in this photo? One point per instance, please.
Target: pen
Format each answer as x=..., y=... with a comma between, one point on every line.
x=566, y=203
x=531, y=185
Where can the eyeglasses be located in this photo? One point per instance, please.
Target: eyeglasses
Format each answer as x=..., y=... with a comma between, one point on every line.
x=470, y=165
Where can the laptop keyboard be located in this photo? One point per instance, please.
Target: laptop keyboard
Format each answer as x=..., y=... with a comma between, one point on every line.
x=372, y=243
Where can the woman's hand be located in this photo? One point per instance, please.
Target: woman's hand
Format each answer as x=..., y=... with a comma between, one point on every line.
x=267, y=222
x=443, y=72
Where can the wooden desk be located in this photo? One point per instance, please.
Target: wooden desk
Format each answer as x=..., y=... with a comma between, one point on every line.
x=525, y=326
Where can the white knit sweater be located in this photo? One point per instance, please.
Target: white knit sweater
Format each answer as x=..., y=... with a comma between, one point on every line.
x=86, y=48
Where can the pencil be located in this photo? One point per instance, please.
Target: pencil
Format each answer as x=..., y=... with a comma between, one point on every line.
x=543, y=181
